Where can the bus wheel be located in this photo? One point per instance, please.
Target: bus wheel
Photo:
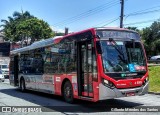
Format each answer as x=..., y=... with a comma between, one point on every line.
x=68, y=92
x=22, y=85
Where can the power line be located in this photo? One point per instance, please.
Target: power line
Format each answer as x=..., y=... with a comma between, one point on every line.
x=140, y=12
x=144, y=10
x=121, y=17
x=142, y=26
x=105, y=22
x=88, y=13
x=104, y=7
x=141, y=22
x=111, y=21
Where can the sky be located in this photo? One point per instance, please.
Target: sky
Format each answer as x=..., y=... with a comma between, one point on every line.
x=83, y=14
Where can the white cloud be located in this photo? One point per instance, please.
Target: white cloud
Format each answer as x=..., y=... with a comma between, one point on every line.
x=59, y=30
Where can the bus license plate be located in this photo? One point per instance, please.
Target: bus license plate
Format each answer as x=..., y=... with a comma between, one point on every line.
x=130, y=94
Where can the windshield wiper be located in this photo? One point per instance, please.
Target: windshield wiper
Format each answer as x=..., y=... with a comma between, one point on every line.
x=121, y=56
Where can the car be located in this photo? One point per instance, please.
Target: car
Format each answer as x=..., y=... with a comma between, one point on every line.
x=157, y=57
x=1, y=76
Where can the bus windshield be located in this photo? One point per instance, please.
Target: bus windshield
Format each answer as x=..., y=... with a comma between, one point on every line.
x=4, y=66
x=122, y=56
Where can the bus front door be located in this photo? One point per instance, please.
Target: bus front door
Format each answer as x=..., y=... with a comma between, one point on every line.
x=84, y=63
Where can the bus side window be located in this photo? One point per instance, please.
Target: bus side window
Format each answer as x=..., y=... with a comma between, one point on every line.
x=71, y=57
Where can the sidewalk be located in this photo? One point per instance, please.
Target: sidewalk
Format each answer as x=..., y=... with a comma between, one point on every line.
x=6, y=81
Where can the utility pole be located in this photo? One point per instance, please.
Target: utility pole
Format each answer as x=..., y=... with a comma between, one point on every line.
x=66, y=31
x=122, y=13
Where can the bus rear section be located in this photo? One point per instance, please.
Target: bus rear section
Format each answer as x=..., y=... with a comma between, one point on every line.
x=95, y=64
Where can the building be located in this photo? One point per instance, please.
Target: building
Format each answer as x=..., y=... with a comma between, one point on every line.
x=1, y=37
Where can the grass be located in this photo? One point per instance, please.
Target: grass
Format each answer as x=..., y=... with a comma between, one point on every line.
x=154, y=78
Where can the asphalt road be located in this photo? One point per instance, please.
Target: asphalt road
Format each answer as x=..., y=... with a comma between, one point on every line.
x=11, y=96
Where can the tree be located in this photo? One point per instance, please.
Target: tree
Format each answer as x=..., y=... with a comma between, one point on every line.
x=34, y=29
x=21, y=16
x=151, y=37
x=59, y=34
x=133, y=28
x=8, y=28
x=23, y=26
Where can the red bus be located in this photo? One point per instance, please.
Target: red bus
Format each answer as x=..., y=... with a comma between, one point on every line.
x=94, y=64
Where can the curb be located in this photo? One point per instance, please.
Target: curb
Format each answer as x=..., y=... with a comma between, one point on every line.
x=155, y=93
x=5, y=82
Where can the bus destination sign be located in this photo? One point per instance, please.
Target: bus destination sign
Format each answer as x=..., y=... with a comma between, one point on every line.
x=118, y=34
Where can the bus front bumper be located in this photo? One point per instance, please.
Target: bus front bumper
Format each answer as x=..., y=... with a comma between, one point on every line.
x=108, y=93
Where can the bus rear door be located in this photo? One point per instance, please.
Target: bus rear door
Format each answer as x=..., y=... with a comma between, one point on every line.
x=13, y=76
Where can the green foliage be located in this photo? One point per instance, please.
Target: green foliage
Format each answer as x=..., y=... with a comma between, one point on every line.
x=151, y=37
x=23, y=26
x=133, y=28
x=154, y=79
x=34, y=28
x=59, y=34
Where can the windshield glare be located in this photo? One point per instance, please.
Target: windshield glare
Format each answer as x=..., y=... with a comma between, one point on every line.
x=122, y=56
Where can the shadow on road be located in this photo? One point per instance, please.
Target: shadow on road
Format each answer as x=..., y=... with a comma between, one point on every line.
x=56, y=103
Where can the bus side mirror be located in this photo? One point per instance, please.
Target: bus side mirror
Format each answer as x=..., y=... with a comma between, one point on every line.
x=98, y=47
x=97, y=36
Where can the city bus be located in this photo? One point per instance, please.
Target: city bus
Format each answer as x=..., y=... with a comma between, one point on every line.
x=94, y=64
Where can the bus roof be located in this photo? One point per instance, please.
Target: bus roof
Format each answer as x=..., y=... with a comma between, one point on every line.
x=100, y=28
x=114, y=28
x=57, y=39
x=38, y=44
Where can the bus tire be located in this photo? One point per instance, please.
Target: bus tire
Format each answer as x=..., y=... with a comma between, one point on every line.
x=22, y=85
x=68, y=92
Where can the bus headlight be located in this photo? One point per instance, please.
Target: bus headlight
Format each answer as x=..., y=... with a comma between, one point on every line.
x=108, y=83
x=146, y=80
